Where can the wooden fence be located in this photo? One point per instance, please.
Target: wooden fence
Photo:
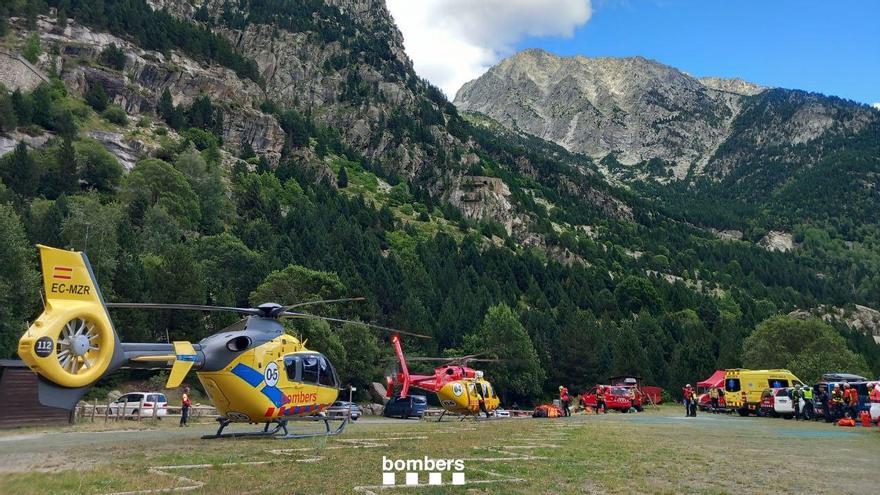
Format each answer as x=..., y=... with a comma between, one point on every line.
x=90, y=411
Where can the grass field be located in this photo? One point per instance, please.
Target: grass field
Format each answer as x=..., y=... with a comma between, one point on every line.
x=653, y=452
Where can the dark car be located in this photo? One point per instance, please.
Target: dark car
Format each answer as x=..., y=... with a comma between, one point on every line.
x=411, y=405
x=340, y=409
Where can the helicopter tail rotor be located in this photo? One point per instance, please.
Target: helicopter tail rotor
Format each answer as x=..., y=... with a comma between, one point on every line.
x=72, y=343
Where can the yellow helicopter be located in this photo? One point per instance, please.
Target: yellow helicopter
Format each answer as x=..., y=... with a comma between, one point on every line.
x=252, y=371
x=460, y=389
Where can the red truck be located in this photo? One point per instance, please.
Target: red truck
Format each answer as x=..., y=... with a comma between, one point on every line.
x=616, y=397
x=647, y=394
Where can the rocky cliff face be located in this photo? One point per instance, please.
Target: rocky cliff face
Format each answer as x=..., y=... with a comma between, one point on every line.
x=638, y=110
x=635, y=108
x=337, y=79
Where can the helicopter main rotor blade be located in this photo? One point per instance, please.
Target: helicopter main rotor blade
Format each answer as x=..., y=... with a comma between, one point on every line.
x=185, y=307
x=323, y=301
x=419, y=358
x=294, y=314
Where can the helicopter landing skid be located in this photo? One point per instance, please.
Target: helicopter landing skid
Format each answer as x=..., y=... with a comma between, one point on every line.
x=280, y=426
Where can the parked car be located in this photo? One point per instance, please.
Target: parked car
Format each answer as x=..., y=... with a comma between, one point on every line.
x=411, y=405
x=616, y=398
x=144, y=403
x=768, y=402
x=777, y=402
x=340, y=408
x=501, y=413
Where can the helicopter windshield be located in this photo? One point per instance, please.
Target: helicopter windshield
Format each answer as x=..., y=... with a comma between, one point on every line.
x=312, y=368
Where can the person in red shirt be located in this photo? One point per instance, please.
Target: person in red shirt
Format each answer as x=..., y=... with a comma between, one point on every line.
x=184, y=408
x=687, y=392
x=600, y=399
x=874, y=397
x=851, y=399
x=565, y=400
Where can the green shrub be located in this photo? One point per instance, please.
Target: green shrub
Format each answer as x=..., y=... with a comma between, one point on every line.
x=113, y=56
x=96, y=97
x=32, y=49
x=116, y=115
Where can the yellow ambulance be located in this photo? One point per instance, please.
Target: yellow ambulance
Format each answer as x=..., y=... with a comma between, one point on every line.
x=742, y=387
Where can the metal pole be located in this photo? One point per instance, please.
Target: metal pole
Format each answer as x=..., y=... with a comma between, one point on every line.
x=140, y=409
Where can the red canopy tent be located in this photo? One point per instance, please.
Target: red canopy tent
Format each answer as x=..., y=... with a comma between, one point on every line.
x=716, y=380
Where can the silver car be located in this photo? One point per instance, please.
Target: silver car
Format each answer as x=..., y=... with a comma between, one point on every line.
x=339, y=409
x=145, y=403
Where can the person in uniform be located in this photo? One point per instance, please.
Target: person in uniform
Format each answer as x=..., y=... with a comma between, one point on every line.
x=565, y=400
x=809, y=411
x=851, y=399
x=713, y=399
x=874, y=397
x=836, y=403
x=185, y=404
x=686, y=393
x=794, y=394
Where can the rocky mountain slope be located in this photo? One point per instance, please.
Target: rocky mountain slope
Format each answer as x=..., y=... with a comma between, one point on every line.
x=642, y=112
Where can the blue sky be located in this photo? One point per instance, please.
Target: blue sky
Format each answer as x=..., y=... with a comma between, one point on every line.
x=828, y=47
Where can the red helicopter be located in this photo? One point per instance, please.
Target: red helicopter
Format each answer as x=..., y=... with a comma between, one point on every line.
x=460, y=389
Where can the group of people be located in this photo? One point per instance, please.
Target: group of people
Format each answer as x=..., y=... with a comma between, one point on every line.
x=842, y=402
x=799, y=393
x=692, y=400
x=565, y=399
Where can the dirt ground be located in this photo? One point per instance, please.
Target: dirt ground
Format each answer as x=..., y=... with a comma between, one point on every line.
x=658, y=451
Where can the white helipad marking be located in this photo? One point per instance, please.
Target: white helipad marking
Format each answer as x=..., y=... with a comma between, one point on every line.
x=412, y=479
x=388, y=479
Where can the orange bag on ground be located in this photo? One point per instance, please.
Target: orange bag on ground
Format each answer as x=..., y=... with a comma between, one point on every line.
x=846, y=422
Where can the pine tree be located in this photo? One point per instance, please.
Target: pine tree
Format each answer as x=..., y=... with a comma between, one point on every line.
x=67, y=167
x=8, y=117
x=23, y=106
x=20, y=172
x=165, y=107
x=342, y=178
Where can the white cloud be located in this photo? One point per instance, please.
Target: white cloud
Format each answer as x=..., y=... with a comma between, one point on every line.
x=454, y=41
x=876, y=105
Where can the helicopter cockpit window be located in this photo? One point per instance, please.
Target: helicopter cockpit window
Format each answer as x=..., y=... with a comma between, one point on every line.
x=290, y=365
x=327, y=376
x=311, y=368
